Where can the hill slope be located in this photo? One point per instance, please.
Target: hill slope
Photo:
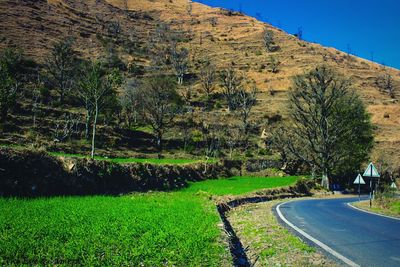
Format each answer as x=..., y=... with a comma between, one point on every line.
x=218, y=34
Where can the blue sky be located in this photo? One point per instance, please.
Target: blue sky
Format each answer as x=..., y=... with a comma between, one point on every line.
x=368, y=28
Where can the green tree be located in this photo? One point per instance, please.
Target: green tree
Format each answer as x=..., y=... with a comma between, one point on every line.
x=95, y=88
x=10, y=80
x=330, y=129
x=161, y=103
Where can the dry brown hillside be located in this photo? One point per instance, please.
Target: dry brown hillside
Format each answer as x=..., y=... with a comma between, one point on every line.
x=220, y=35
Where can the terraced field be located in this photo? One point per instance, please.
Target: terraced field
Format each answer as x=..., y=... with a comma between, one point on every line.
x=153, y=229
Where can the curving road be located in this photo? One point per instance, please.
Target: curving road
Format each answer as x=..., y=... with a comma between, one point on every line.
x=354, y=237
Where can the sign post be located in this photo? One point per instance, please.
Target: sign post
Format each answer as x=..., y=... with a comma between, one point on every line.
x=393, y=185
x=371, y=172
x=359, y=180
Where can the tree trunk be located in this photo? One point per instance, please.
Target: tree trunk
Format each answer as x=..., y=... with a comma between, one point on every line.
x=34, y=119
x=325, y=179
x=159, y=143
x=94, y=129
x=87, y=126
x=61, y=98
x=3, y=115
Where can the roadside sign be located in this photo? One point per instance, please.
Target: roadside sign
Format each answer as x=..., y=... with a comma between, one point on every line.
x=393, y=186
x=359, y=180
x=371, y=171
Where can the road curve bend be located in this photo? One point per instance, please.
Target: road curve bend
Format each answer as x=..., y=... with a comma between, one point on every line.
x=353, y=237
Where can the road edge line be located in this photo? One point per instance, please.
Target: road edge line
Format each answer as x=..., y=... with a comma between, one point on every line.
x=371, y=212
x=314, y=240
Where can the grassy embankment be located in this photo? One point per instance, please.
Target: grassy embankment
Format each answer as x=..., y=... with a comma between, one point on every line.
x=135, y=160
x=178, y=228
x=122, y=160
x=267, y=242
x=391, y=207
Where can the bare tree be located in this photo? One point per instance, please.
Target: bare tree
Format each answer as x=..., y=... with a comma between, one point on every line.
x=114, y=29
x=37, y=95
x=232, y=138
x=160, y=103
x=130, y=102
x=231, y=82
x=274, y=64
x=214, y=21
x=126, y=4
x=186, y=126
x=207, y=77
x=61, y=67
x=189, y=7
x=385, y=83
x=160, y=44
x=180, y=61
x=268, y=37
x=187, y=94
x=94, y=88
x=66, y=127
x=211, y=139
x=299, y=33
x=10, y=80
x=244, y=102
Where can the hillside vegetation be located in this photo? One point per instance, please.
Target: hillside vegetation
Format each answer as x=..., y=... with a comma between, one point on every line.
x=107, y=29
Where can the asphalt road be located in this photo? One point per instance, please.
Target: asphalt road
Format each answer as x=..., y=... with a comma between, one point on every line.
x=362, y=238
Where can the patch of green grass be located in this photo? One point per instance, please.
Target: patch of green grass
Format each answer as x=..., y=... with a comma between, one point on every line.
x=391, y=207
x=395, y=207
x=146, y=129
x=240, y=185
x=11, y=146
x=133, y=160
x=172, y=229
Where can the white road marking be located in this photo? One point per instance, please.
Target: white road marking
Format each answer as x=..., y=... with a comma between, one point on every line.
x=395, y=258
x=370, y=212
x=314, y=240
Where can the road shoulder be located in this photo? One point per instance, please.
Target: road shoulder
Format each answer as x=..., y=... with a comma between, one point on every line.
x=363, y=206
x=328, y=251
x=268, y=243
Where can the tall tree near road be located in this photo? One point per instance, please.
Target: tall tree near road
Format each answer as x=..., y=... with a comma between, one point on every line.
x=330, y=129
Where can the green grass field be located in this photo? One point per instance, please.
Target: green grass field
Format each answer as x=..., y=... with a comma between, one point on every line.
x=140, y=230
x=240, y=185
x=134, y=160
x=153, y=229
